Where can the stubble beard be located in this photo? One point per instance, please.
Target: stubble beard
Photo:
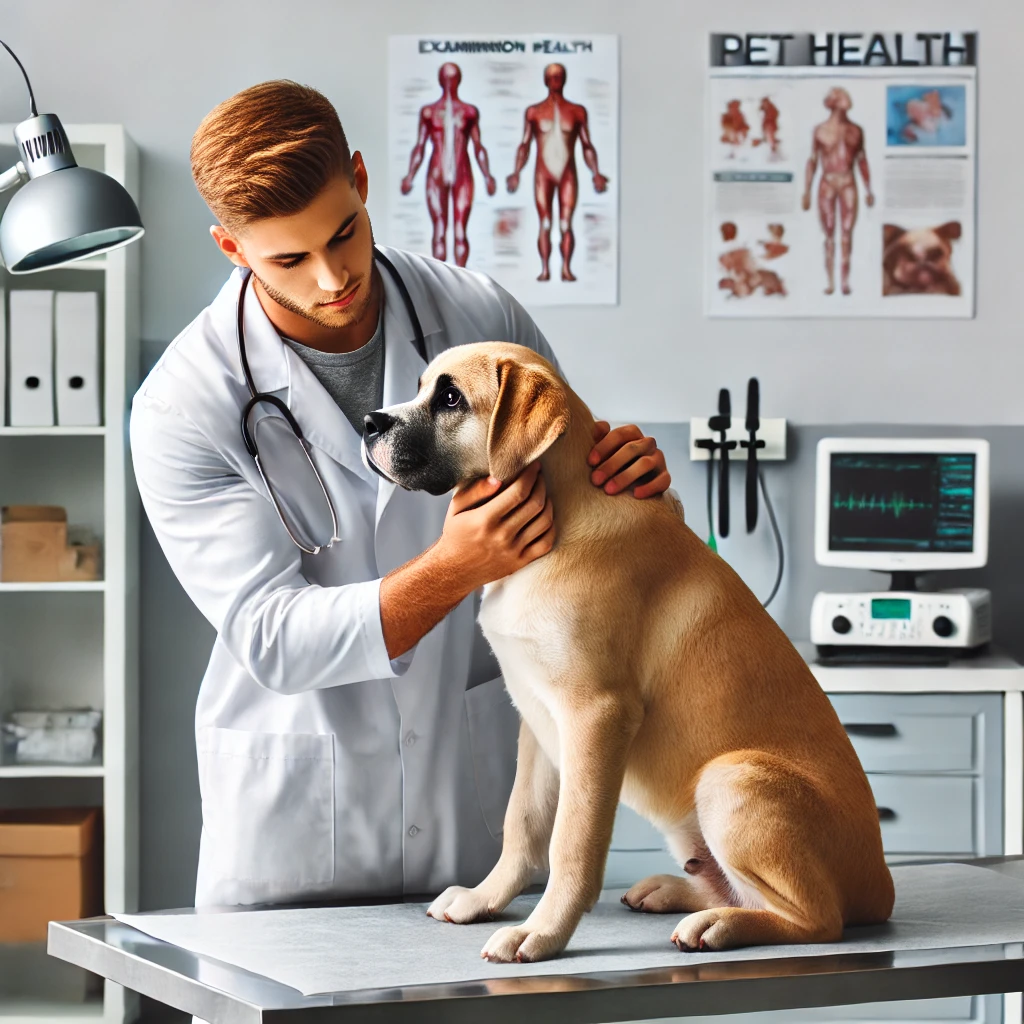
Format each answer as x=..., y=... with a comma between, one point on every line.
x=353, y=314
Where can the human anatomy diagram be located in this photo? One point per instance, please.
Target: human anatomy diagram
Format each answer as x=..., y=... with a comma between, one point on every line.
x=555, y=125
x=449, y=124
x=837, y=145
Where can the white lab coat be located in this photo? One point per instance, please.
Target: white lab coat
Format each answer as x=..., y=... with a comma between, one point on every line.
x=326, y=770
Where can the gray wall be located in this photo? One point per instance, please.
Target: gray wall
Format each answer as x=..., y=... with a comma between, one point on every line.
x=158, y=68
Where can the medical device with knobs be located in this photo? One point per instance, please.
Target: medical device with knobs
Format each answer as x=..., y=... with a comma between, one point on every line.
x=905, y=506
x=956, y=619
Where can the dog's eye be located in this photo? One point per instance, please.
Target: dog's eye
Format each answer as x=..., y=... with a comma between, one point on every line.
x=450, y=398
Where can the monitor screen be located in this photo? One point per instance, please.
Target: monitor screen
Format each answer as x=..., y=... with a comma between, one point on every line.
x=902, y=502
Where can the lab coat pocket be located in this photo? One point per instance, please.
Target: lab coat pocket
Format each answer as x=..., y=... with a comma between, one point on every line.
x=268, y=805
x=493, y=739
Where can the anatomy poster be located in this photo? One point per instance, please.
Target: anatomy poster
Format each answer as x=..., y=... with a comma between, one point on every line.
x=503, y=157
x=841, y=175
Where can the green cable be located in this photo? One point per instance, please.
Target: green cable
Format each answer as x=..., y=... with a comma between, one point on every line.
x=712, y=543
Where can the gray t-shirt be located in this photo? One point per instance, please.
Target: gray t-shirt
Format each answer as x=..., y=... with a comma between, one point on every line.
x=355, y=380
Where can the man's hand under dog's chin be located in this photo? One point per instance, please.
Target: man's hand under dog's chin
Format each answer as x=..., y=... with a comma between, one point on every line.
x=624, y=458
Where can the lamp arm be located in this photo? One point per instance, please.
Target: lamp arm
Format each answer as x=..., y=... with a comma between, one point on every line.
x=31, y=95
x=17, y=174
x=13, y=176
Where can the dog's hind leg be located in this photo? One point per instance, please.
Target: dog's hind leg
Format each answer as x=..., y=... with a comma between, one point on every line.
x=766, y=826
x=705, y=885
x=670, y=894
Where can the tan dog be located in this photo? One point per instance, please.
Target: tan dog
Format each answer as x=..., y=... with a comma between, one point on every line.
x=643, y=668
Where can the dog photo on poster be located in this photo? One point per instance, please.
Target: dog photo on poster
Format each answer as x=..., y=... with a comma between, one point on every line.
x=841, y=170
x=503, y=156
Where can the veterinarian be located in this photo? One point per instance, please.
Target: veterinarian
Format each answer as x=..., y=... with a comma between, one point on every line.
x=353, y=733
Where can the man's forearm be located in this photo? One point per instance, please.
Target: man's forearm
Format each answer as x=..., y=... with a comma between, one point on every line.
x=415, y=597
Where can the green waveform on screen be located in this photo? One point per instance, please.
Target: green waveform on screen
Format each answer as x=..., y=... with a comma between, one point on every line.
x=898, y=505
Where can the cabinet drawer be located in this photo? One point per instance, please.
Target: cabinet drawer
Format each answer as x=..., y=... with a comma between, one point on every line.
x=889, y=738
x=925, y=814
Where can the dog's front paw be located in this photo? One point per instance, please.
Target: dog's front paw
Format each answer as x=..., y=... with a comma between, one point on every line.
x=459, y=905
x=521, y=944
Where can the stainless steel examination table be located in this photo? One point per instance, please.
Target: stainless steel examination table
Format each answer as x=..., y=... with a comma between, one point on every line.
x=181, y=979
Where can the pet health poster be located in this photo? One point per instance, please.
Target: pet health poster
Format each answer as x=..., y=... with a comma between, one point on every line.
x=841, y=175
x=503, y=157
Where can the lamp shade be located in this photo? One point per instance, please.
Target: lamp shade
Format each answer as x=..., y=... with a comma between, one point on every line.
x=66, y=215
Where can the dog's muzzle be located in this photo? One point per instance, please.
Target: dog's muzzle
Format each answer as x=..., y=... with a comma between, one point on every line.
x=375, y=424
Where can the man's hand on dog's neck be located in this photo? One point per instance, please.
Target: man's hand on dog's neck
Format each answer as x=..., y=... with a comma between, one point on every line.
x=489, y=533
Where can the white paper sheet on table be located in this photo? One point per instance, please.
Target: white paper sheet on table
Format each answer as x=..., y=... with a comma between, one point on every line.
x=344, y=949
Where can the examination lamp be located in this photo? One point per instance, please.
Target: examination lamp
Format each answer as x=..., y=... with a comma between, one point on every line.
x=63, y=212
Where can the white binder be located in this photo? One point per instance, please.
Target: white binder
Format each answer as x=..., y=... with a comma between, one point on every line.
x=77, y=332
x=3, y=357
x=31, y=344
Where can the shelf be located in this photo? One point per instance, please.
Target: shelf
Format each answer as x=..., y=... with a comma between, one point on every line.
x=52, y=431
x=16, y=1012
x=92, y=586
x=50, y=771
x=89, y=263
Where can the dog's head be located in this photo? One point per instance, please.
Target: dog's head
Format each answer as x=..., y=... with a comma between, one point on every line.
x=484, y=409
x=920, y=261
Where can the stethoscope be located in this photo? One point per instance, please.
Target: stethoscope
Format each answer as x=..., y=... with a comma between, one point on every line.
x=257, y=397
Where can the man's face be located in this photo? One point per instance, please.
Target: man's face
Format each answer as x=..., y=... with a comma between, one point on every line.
x=318, y=263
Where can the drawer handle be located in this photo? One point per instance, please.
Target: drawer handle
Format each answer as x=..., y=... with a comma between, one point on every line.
x=886, y=814
x=870, y=729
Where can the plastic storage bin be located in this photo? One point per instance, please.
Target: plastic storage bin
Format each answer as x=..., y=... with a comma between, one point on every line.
x=52, y=737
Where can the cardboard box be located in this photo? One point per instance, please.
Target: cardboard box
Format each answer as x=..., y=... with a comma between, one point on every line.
x=34, y=547
x=50, y=869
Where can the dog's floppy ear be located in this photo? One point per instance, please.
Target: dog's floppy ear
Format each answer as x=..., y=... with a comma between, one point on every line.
x=890, y=232
x=949, y=231
x=531, y=413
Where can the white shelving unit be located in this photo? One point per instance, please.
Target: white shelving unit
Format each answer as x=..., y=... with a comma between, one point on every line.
x=52, y=431
x=77, y=643
x=92, y=586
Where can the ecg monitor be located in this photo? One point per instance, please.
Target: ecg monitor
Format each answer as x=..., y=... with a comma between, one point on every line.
x=900, y=505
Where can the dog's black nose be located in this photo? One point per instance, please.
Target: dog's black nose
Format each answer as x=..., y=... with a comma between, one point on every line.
x=375, y=424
